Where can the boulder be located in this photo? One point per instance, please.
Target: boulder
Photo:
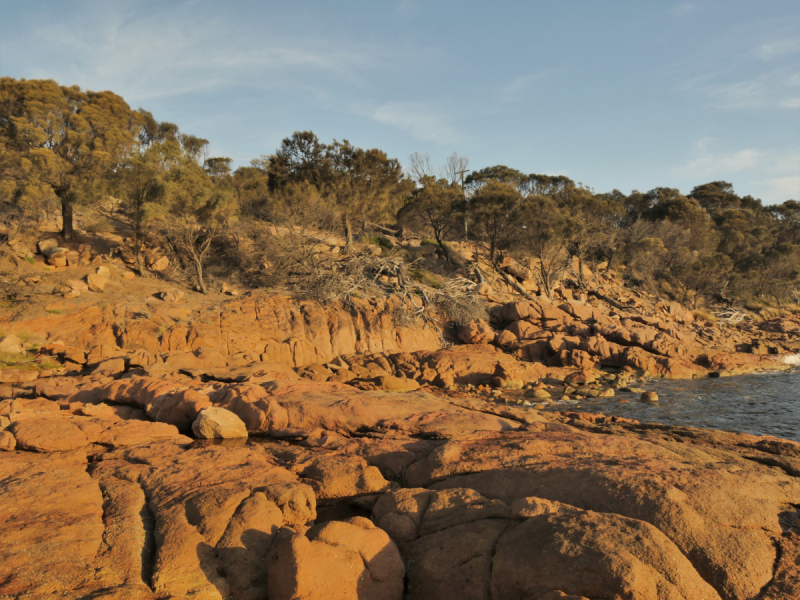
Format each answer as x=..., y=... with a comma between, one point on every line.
x=396, y=384
x=7, y=441
x=476, y=331
x=170, y=296
x=96, y=283
x=216, y=422
x=160, y=264
x=558, y=547
x=77, y=285
x=11, y=344
x=110, y=366
x=44, y=245
x=339, y=560
x=649, y=397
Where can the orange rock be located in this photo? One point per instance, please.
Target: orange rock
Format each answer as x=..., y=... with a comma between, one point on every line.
x=18, y=375
x=340, y=560
x=476, y=331
x=48, y=434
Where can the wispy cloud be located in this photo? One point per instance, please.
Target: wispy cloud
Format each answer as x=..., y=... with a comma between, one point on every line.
x=784, y=188
x=709, y=163
x=790, y=103
x=764, y=91
x=775, y=172
x=684, y=8
x=175, y=52
x=522, y=87
x=422, y=121
x=778, y=48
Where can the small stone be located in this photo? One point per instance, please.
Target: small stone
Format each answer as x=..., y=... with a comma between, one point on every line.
x=170, y=297
x=649, y=397
x=632, y=390
x=77, y=285
x=103, y=271
x=128, y=275
x=160, y=264
x=216, y=422
x=96, y=282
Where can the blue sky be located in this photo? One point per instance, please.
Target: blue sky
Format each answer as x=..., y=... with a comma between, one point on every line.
x=614, y=94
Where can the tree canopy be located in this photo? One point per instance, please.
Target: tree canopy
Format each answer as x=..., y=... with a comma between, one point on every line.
x=60, y=145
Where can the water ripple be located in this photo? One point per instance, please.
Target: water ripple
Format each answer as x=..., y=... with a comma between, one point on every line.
x=762, y=404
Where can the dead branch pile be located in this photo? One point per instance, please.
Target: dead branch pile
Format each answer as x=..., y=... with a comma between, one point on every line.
x=730, y=317
x=367, y=275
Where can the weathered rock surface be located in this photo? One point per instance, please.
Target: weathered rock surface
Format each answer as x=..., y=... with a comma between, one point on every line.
x=340, y=560
x=471, y=491
x=218, y=423
x=488, y=508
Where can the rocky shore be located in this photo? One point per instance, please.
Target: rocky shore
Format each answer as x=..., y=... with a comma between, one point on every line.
x=381, y=461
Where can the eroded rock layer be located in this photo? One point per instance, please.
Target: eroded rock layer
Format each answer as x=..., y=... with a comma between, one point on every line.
x=380, y=465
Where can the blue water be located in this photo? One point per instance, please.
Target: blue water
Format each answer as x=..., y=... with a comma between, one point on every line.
x=762, y=404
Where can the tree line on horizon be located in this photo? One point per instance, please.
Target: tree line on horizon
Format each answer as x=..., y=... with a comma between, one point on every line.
x=65, y=146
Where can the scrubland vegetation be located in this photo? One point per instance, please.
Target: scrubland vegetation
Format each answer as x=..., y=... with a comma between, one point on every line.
x=267, y=224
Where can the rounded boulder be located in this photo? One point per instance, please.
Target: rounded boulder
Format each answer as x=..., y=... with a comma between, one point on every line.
x=218, y=423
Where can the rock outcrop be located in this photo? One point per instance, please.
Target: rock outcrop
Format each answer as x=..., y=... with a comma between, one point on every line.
x=271, y=448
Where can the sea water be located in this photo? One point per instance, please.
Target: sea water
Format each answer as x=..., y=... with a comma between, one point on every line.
x=762, y=404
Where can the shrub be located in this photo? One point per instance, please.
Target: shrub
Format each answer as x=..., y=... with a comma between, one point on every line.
x=425, y=277
x=702, y=315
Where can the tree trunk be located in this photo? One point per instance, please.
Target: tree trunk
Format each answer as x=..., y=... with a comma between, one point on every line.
x=348, y=234
x=440, y=241
x=67, y=231
x=139, y=244
x=581, y=282
x=198, y=267
x=140, y=262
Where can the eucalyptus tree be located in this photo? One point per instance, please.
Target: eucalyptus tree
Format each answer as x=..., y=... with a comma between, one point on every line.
x=63, y=140
x=433, y=207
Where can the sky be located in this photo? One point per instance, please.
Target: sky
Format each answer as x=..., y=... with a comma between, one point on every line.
x=614, y=94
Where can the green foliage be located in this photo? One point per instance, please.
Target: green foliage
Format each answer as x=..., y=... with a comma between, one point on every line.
x=54, y=312
x=493, y=210
x=63, y=145
x=434, y=208
x=11, y=360
x=384, y=242
x=353, y=182
x=30, y=260
x=425, y=277
x=61, y=141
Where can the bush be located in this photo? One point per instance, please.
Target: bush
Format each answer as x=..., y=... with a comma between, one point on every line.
x=384, y=242
x=702, y=315
x=425, y=277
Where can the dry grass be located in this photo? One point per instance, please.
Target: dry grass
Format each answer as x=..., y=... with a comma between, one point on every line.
x=12, y=360
x=771, y=312
x=702, y=315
